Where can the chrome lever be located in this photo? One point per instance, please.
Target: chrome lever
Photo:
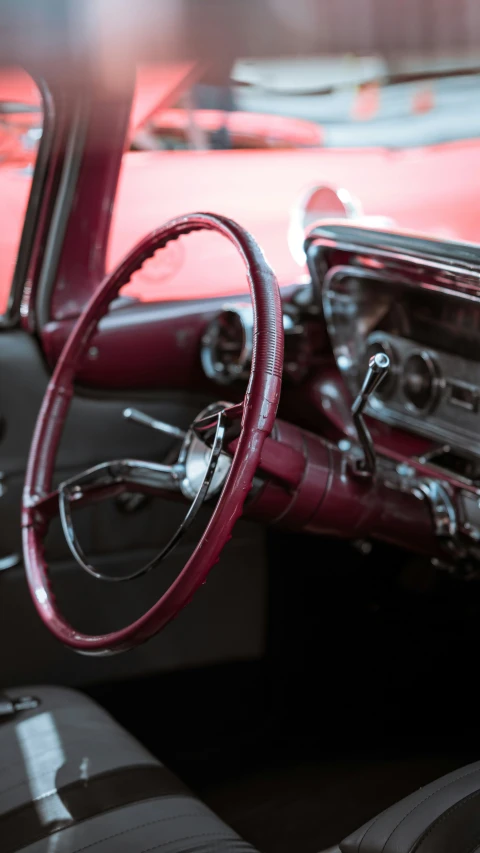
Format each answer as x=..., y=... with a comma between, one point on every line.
x=378, y=367
x=142, y=419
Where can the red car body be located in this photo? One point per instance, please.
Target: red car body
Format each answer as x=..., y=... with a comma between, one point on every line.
x=427, y=189
x=246, y=130
x=430, y=189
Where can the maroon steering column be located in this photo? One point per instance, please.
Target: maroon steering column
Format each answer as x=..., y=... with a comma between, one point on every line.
x=328, y=498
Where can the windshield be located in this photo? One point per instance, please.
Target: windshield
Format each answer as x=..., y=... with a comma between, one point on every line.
x=390, y=142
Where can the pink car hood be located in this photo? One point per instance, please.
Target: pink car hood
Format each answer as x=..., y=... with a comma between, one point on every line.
x=432, y=190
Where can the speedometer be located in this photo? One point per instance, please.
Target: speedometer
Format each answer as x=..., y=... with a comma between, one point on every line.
x=227, y=344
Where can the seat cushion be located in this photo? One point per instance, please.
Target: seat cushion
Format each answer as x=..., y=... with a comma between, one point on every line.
x=71, y=778
x=170, y=824
x=443, y=817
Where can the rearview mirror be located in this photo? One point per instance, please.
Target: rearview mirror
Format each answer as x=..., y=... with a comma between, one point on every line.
x=319, y=202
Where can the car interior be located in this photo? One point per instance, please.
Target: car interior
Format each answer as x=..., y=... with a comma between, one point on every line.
x=240, y=534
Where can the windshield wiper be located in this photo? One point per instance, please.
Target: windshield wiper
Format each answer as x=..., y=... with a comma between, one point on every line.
x=433, y=74
x=392, y=79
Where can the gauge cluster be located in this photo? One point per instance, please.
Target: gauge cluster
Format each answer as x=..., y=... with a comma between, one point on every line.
x=423, y=312
x=433, y=386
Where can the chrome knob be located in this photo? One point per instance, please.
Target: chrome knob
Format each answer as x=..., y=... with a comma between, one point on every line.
x=142, y=419
x=378, y=367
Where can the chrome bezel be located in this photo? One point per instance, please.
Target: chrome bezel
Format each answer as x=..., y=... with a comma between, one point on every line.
x=298, y=227
x=436, y=379
x=213, y=367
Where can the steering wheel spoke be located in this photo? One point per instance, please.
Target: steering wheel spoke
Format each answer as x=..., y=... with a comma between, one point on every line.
x=108, y=480
x=134, y=474
x=144, y=477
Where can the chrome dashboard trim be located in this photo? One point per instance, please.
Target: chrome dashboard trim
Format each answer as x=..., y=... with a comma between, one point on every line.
x=459, y=276
x=213, y=366
x=433, y=250
x=457, y=427
x=411, y=263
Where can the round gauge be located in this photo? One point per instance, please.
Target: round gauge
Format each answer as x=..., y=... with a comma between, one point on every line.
x=421, y=382
x=226, y=350
x=388, y=383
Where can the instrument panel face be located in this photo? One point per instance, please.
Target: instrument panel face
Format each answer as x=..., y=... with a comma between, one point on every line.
x=428, y=326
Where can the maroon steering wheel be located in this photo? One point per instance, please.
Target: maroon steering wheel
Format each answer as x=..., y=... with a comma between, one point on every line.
x=40, y=502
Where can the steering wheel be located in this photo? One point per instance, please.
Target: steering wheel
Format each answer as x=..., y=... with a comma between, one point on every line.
x=249, y=422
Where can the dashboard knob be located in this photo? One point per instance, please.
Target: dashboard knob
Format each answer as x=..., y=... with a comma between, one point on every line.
x=421, y=382
x=388, y=384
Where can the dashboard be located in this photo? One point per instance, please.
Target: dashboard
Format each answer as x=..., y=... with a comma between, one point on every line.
x=416, y=301
x=369, y=292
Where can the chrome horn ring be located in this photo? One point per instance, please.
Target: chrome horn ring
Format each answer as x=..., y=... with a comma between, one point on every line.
x=165, y=477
